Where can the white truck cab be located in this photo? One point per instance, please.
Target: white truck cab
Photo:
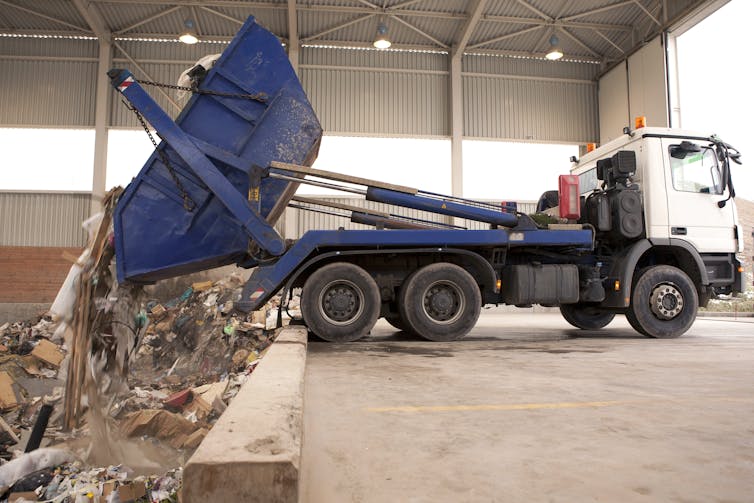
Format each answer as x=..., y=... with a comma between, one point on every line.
x=680, y=192
x=661, y=203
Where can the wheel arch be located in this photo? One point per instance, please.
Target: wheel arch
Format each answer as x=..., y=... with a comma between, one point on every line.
x=674, y=252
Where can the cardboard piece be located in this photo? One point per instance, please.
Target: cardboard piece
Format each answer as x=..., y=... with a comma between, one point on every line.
x=48, y=353
x=199, y=407
x=23, y=496
x=8, y=398
x=193, y=440
x=161, y=424
x=215, y=390
x=201, y=286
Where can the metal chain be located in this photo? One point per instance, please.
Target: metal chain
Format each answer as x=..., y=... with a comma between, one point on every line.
x=188, y=203
x=261, y=97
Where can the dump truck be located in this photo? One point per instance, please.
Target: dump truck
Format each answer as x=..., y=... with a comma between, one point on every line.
x=643, y=226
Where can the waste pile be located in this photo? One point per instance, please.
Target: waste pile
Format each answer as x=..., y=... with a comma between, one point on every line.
x=110, y=394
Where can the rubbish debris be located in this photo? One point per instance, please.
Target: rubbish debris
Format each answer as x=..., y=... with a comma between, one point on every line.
x=121, y=378
x=48, y=353
x=31, y=462
x=8, y=398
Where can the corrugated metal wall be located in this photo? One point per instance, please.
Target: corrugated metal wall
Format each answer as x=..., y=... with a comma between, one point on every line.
x=47, y=82
x=530, y=100
x=51, y=82
x=376, y=93
x=309, y=220
x=43, y=218
x=163, y=62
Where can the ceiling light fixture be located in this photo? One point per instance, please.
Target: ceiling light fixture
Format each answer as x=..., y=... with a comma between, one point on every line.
x=189, y=34
x=382, y=42
x=555, y=51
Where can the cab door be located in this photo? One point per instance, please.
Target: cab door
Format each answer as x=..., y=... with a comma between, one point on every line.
x=694, y=187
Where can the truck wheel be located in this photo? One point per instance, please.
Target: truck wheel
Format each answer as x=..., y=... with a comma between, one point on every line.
x=440, y=302
x=585, y=317
x=631, y=317
x=664, y=302
x=340, y=302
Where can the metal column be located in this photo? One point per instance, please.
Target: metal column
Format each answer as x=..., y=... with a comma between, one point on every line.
x=456, y=133
x=101, y=120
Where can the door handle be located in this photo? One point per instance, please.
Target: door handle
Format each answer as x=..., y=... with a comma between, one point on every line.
x=678, y=231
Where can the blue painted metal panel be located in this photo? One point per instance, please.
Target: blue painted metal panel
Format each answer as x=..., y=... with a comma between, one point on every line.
x=212, y=147
x=443, y=207
x=265, y=281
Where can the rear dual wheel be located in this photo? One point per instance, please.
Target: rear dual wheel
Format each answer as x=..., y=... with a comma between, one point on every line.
x=440, y=302
x=340, y=302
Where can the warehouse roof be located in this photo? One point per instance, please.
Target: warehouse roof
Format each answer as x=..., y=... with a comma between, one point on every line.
x=588, y=30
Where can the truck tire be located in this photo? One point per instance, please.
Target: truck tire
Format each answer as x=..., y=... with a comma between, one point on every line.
x=631, y=317
x=664, y=302
x=440, y=302
x=585, y=317
x=340, y=302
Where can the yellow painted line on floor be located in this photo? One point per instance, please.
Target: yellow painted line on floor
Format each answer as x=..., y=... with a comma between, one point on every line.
x=554, y=405
x=515, y=406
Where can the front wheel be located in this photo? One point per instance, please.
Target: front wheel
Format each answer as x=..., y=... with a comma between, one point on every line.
x=664, y=302
x=340, y=302
x=440, y=302
x=585, y=317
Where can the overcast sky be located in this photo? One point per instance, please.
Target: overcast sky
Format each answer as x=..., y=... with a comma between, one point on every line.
x=715, y=72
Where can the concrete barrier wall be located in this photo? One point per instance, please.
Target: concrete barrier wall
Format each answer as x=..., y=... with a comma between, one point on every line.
x=253, y=452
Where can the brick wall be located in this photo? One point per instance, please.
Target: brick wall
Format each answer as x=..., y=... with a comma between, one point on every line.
x=33, y=274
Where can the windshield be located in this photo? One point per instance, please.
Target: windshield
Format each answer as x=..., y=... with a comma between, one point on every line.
x=695, y=171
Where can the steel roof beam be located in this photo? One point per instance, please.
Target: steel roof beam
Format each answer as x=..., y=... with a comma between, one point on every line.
x=148, y=19
x=146, y=74
x=535, y=10
x=475, y=14
x=369, y=4
x=607, y=39
x=597, y=10
x=556, y=22
x=44, y=16
x=403, y=5
x=337, y=27
x=419, y=31
x=222, y=15
x=657, y=22
x=93, y=18
x=505, y=37
x=579, y=42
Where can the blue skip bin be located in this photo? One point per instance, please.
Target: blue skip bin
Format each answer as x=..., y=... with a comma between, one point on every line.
x=210, y=207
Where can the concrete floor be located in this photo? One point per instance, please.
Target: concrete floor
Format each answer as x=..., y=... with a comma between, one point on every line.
x=527, y=409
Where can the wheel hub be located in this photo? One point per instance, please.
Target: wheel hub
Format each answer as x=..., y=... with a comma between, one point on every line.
x=443, y=302
x=341, y=302
x=666, y=301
